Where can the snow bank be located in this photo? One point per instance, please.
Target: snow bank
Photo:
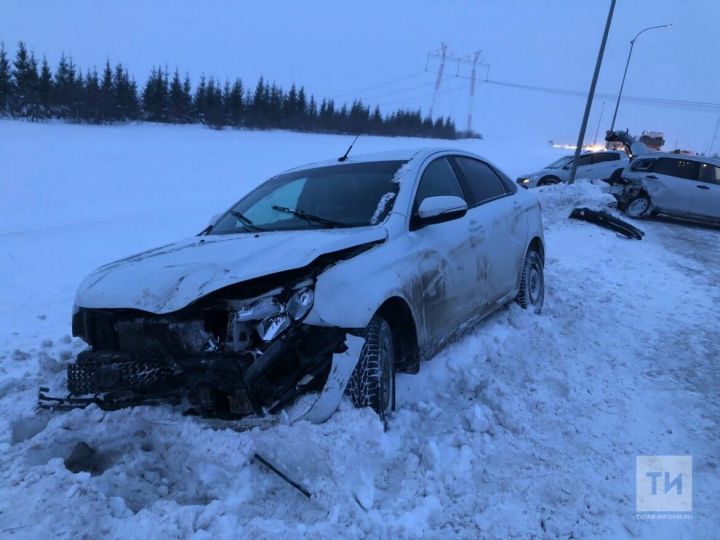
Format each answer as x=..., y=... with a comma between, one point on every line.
x=527, y=427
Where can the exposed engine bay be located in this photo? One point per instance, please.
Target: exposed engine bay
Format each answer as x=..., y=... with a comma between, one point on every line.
x=243, y=350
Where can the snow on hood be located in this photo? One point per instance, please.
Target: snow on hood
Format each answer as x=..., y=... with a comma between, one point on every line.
x=169, y=278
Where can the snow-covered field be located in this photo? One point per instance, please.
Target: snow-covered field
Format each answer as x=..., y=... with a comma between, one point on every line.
x=527, y=427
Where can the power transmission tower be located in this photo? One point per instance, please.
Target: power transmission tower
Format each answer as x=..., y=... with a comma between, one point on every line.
x=474, y=60
x=442, y=55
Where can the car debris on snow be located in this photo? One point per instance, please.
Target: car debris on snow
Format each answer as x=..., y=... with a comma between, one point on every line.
x=608, y=221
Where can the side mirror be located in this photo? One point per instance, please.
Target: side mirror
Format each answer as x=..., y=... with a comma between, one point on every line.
x=440, y=209
x=568, y=166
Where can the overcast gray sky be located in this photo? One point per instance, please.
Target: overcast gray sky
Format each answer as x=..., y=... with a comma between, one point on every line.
x=339, y=48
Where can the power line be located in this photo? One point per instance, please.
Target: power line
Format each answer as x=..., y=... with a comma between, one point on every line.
x=380, y=85
x=424, y=96
x=676, y=103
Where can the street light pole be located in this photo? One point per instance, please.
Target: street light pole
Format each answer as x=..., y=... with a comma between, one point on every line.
x=591, y=94
x=627, y=64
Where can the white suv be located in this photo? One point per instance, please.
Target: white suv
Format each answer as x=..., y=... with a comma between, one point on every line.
x=593, y=165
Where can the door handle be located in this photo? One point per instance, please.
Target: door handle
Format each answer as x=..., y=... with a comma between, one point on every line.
x=475, y=225
x=700, y=186
x=651, y=176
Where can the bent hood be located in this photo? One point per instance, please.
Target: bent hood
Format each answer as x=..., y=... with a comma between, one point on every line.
x=169, y=278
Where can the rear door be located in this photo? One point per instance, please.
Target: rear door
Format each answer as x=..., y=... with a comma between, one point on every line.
x=497, y=227
x=585, y=167
x=671, y=184
x=709, y=187
x=605, y=163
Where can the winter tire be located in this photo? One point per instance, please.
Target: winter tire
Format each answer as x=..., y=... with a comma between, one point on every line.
x=639, y=207
x=532, y=283
x=372, y=383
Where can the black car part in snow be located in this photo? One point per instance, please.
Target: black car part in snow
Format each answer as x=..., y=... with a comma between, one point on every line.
x=603, y=219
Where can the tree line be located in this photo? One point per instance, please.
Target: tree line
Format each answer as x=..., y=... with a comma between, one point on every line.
x=29, y=89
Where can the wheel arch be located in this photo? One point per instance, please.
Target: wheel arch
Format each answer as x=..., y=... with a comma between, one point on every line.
x=548, y=177
x=536, y=243
x=398, y=314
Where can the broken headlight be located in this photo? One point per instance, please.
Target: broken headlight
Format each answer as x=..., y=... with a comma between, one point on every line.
x=260, y=309
x=300, y=303
x=273, y=326
x=270, y=315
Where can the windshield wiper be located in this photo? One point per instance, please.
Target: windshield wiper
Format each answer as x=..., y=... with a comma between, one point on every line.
x=310, y=218
x=247, y=223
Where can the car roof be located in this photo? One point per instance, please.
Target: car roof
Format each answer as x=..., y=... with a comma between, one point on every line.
x=391, y=155
x=689, y=157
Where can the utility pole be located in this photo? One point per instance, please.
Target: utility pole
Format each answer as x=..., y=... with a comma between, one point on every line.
x=443, y=53
x=597, y=130
x=591, y=94
x=627, y=64
x=714, y=137
x=476, y=58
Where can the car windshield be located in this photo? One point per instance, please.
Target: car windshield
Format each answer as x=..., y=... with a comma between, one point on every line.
x=560, y=162
x=338, y=196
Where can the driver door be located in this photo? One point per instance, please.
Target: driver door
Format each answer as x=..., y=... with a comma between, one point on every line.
x=445, y=279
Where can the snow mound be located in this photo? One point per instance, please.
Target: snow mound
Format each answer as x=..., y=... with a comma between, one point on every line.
x=528, y=426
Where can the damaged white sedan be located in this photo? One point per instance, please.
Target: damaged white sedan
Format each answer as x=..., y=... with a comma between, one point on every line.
x=328, y=278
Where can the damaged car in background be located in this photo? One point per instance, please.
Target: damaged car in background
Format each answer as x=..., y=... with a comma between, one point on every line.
x=327, y=279
x=675, y=185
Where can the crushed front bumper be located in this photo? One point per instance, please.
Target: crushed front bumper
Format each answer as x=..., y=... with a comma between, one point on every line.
x=212, y=384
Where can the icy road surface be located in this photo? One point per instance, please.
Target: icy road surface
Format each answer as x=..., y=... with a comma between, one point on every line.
x=527, y=427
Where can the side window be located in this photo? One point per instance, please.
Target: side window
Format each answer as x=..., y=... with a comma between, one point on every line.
x=709, y=173
x=484, y=184
x=584, y=160
x=437, y=180
x=680, y=168
x=602, y=157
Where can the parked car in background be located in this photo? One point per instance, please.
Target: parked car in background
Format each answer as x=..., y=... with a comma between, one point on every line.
x=593, y=165
x=403, y=250
x=676, y=185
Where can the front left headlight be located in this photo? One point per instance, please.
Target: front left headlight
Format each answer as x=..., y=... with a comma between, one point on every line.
x=270, y=328
x=300, y=303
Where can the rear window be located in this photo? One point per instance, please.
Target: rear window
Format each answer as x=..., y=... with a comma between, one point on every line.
x=484, y=184
x=606, y=156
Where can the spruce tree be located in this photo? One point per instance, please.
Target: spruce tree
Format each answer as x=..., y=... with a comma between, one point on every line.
x=6, y=89
x=200, y=100
x=92, y=98
x=26, y=79
x=45, y=90
x=177, y=106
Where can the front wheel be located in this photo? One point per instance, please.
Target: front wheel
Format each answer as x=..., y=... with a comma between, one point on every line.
x=639, y=207
x=532, y=283
x=372, y=383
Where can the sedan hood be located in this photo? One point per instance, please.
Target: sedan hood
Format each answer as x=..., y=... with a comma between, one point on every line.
x=169, y=278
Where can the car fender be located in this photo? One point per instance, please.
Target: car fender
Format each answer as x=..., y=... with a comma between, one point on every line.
x=348, y=294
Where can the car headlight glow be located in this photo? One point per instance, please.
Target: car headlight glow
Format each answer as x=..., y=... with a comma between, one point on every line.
x=300, y=303
x=273, y=326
